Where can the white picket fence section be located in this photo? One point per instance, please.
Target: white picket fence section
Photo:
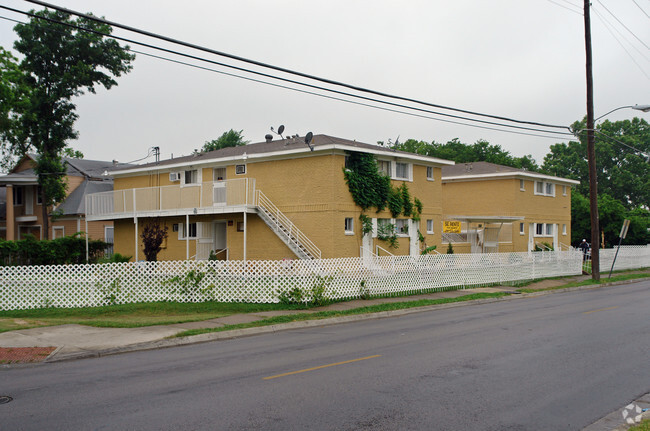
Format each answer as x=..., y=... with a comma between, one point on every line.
x=24, y=287
x=629, y=257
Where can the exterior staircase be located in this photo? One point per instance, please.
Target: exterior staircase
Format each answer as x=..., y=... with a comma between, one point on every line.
x=285, y=229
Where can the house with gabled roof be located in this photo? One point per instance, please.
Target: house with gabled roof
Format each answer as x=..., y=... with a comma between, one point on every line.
x=278, y=199
x=21, y=200
x=491, y=208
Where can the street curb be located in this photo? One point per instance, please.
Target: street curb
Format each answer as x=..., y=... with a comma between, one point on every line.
x=248, y=332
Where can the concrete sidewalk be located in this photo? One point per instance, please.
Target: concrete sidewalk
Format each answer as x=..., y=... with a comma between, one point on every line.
x=78, y=341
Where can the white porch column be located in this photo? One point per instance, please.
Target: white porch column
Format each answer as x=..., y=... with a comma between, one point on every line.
x=135, y=221
x=187, y=237
x=245, y=230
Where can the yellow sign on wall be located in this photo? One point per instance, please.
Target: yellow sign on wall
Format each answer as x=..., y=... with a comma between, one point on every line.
x=451, y=226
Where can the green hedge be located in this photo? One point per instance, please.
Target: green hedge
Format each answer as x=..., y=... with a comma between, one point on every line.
x=66, y=250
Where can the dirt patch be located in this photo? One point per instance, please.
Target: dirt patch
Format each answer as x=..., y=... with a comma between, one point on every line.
x=24, y=355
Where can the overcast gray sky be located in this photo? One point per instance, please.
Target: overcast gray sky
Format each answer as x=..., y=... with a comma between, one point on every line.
x=523, y=59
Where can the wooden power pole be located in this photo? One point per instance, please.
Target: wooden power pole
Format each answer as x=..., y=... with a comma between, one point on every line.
x=591, y=154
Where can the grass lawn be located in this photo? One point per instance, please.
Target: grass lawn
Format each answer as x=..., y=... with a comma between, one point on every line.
x=643, y=426
x=129, y=315
x=603, y=279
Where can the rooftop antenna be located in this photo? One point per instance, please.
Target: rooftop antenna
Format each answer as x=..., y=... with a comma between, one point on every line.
x=395, y=144
x=308, y=137
x=280, y=130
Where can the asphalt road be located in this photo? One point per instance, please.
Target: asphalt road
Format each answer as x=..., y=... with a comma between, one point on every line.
x=556, y=362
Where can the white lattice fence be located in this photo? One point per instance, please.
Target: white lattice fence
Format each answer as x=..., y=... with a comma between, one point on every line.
x=629, y=257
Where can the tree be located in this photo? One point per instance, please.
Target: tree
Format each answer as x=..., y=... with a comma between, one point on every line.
x=14, y=99
x=153, y=236
x=60, y=62
x=623, y=172
x=480, y=151
x=231, y=138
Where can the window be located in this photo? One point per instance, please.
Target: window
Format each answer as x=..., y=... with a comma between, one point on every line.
x=384, y=167
x=219, y=174
x=402, y=171
x=544, y=188
x=550, y=189
x=430, y=173
x=563, y=229
x=563, y=190
x=522, y=186
x=191, y=177
x=521, y=228
x=39, y=198
x=175, y=227
x=240, y=169
x=182, y=231
x=58, y=232
x=549, y=229
x=18, y=195
x=347, y=161
x=544, y=229
x=402, y=226
x=240, y=226
x=349, y=226
x=430, y=226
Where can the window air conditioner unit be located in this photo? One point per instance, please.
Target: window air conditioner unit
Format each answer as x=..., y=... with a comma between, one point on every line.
x=174, y=176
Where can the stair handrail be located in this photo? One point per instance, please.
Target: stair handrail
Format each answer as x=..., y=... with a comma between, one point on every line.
x=294, y=234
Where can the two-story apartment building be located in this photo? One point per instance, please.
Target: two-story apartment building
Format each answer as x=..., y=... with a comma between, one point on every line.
x=499, y=208
x=277, y=199
x=21, y=200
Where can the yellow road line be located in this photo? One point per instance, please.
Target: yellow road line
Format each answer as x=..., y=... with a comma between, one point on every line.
x=319, y=367
x=601, y=309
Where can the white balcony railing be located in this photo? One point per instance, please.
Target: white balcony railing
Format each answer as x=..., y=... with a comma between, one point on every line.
x=209, y=195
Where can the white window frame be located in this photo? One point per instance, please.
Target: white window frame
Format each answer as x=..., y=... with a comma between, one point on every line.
x=545, y=185
x=377, y=222
x=349, y=226
x=240, y=169
x=56, y=228
x=197, y=177
x=215, y=177
x=430, y=174
x=544, y=227
x=181, y=231
x=563, y=190
x=408, y=168
x=386, y=170
x=522, y=185
x=564, y=229
x=430, y=226
x=522, y=228
x=400, y=224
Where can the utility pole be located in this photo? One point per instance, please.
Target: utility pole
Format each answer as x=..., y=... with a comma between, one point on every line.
x=591, y=154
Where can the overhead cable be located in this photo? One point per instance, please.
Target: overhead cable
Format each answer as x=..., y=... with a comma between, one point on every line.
x=285, y=70
x=170, y=51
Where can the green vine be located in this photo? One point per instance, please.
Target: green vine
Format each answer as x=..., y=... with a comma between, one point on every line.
x=366, y=224
x=395, y=203
x=369, y=187
x=386, y=232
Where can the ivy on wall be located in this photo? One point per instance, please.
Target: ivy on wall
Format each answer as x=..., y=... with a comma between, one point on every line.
x=372, y=189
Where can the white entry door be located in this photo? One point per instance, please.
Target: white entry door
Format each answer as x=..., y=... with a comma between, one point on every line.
x=219, y=240
x=219, y=186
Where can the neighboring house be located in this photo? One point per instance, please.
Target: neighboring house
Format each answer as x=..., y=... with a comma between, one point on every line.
x=21, y=200
x=500, y=208
x=270, y=200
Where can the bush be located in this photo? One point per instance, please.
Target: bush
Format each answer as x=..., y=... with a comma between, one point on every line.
x=66, y=250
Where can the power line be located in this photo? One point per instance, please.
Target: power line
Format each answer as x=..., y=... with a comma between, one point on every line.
x=285, y=70
x=565, y=7
x=319, y=94
x=283, y=79
x=639, y=6
x=620, y=43
x=606, y=21
x=620, y=22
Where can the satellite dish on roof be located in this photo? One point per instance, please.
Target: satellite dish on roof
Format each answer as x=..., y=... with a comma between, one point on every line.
x=280, y=129
x=308, y=139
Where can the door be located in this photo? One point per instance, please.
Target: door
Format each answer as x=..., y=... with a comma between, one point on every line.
x=219, y=240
